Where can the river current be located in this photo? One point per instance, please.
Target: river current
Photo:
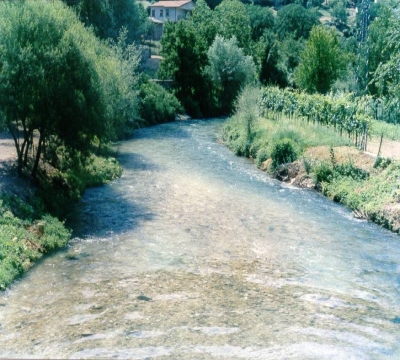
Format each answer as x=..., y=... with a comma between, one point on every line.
x=196, y=254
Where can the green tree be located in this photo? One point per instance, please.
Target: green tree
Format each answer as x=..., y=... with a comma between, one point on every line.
x=184, y=63
x=266, y=55
x=58, y=82
x=108, y=17
x=261, y=19
x=296, y=20
x=230, y=69
x=233, y=20
x=339, y=12
x=387, y=75
x=320, y=62
x=380, y=46
x=204, y=22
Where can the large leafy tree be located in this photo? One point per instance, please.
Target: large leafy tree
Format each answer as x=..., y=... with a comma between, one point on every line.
x=321, y=61
x=58, y=82
x=184, y=62
x=108, y=17
x=380, y=46
x=296, y=20
x=204, y=23
x=230, y=69
x=261, y=19
x=234, y=20
x=387, y=75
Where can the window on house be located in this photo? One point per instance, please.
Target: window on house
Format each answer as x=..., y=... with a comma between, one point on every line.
x=161, y=13
x=166, y=12
x=153, y=13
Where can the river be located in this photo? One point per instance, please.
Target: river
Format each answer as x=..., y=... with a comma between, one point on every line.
x=196, y=254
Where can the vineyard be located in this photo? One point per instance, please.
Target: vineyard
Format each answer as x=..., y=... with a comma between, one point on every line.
x=348, y=114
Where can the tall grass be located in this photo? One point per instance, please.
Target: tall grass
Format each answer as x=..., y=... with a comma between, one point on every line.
x=249, y=135
x=389, y=131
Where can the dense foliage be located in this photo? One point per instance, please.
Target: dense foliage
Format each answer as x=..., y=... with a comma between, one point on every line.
x=229, y=70
x=320, y=62
x=157, y=105
x=297, y=20
x=59, y=83
x=108, y=17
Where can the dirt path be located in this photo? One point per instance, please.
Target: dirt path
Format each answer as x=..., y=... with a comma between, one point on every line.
x=390, y=148
x=9, y=180
x=7, y=148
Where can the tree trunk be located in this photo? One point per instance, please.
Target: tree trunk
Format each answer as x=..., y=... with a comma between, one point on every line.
x=14, y=133
x=38, y=154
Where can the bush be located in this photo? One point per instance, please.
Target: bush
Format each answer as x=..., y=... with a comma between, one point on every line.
x=157, y=105
x=262, y=155
x=284, y=151
x=349, y=170
x=382, y=163
x=322, y=172
x=25, y=234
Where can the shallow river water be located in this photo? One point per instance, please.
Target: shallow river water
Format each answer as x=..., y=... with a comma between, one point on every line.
x=196, y=254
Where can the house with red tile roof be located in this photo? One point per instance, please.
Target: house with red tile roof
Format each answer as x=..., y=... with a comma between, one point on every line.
x=166, y=10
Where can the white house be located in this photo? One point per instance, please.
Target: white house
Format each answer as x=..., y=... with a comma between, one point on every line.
x=167, y=10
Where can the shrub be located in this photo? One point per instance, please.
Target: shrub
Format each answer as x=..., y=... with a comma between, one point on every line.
x=349, y=170
x=25, y=236
x=307, y=165
x=284, y=151
x=382, y=163
x=322, y=172
x=262, y=155
x=157, y=105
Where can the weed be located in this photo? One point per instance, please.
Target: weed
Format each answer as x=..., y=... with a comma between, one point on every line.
x=262, y=155
x=307, y=165
x=322, y=172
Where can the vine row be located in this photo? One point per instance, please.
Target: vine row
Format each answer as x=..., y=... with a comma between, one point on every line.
x=346, y=113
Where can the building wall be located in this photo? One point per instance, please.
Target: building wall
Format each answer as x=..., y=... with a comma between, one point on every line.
x=173, y=13
x=167, y=14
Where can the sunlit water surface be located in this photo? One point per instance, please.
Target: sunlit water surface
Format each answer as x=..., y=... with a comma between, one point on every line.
x=196, y=254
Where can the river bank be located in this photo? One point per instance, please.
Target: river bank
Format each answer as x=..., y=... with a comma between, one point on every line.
x=31, y=216
x=317, y=157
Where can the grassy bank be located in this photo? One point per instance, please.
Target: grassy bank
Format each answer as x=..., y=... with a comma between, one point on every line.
x=316, y=156
x=26, y=233
x=27, y=230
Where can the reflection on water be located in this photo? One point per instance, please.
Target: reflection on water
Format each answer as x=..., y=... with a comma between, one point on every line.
x=195, y=254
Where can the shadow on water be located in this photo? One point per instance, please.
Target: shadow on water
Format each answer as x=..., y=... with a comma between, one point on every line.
x=115, y=208
x=105, y=212
x=136, y=162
